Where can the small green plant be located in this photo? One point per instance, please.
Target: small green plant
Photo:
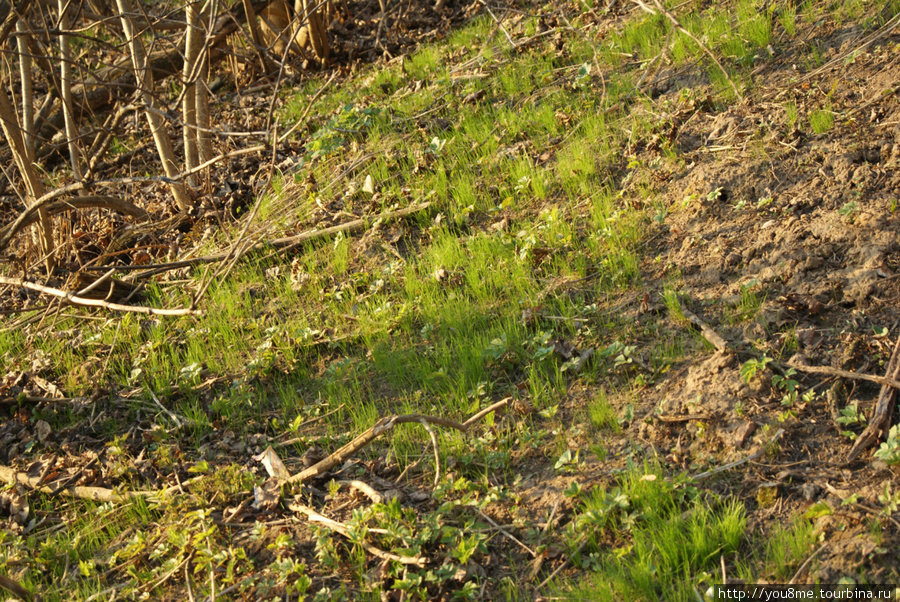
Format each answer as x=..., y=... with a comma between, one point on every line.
x=751, y=368
x=714, y=195
x=850, y=415
x=788, y=385
x=889, y=451
x=821, y=120
x=848, y=208
x=574, y=490
x=567, y=462
x=890, y=502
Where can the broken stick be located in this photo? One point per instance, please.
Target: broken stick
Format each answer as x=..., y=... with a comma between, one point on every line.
x=708, y=333
x=881, y=418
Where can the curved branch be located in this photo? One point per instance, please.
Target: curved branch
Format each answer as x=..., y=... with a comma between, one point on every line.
x=75, y=300
x=53, y=206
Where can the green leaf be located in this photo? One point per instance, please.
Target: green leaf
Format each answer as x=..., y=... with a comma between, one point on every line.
x=817, y=510
x=200, y=467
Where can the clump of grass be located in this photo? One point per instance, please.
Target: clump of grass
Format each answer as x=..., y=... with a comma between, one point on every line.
x=787, y=547
x=601, y=413
x=655, y=537
x=787, y=17
x=821, y=120
x=792, y=114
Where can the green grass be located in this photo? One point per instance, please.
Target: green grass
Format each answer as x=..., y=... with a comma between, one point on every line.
x=648, y=538
x=601, y=414
x=821, y=120
x=427, y=316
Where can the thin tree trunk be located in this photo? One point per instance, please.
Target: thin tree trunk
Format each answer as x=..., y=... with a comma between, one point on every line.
x=65, y=71
x=204, y=136
x=34, y=187
x=157, y=123
x=27, y=89
x=193, y=41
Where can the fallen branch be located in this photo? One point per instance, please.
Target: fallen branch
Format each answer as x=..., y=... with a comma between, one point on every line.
x=736, y=463
x=98, y=494
x=499, y=23
x=881, y=417
x=885, y=381
x=54, y=194
x=685, y=418
x=281, y=244
x=345, y=531
x=365, y=489
x=562, y=566
x=75, y=300
x=505, y=533
x=14, y=588
x=481, y=414
x=806, y=563
x=384, y=425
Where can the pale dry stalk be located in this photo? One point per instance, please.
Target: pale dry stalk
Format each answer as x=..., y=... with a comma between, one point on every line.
x=144, y=78
x=43, y=233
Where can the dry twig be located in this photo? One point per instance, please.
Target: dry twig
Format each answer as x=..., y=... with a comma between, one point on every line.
x=384, y=425
x=730, y=465
x=708, y=333
x=343, y=530
x=881, y=417
x=885, y=381
x=75, y=300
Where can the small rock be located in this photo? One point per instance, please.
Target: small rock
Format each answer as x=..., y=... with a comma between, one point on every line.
x=813, y=262
x=743, y=432
x=809, y=491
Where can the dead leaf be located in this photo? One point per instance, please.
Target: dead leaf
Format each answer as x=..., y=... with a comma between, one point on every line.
x=47, y=386
x=564, y=348
x=369, y=184
x=42, y=429
x=268, y=495
x=274, y=466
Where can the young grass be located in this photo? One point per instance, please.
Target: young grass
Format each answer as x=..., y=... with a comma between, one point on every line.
x=787, y=17
x=821, y=120
x=787, y=547
x=430, y=318
x=648, y=539
x=601, y=414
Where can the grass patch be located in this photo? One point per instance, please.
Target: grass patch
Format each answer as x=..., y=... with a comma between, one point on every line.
x=649, y=538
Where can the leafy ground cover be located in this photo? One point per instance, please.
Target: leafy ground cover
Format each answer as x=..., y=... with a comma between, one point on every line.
x=582, y=180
